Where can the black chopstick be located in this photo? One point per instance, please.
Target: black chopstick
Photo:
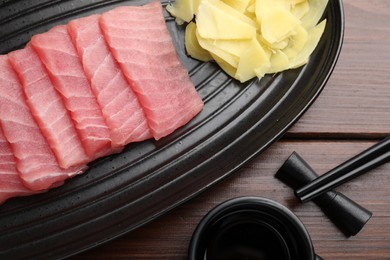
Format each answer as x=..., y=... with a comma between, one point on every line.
x=369, y=159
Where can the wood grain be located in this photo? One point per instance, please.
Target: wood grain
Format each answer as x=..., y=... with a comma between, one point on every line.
x=355, y=102
x=168, y=237
x=350, y=115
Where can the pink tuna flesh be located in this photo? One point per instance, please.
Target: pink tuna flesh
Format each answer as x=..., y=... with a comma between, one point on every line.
x=35, y=161
x=119, y=104
x=140, y=42
x=10, y=183
x=61, y=60
x=48, y=109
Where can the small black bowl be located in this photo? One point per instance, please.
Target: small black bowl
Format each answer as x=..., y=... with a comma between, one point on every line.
x=251, y=228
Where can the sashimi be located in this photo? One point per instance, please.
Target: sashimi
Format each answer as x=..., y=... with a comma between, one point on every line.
x=141, y=44
x=48, y=109
x=35, y=160
x=120, y=106
x=10, y=182
x=61, y=60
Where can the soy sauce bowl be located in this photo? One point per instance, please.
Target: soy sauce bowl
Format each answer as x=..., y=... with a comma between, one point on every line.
x=251, y=228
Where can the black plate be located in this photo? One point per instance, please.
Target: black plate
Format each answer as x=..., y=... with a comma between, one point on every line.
x=124, y=191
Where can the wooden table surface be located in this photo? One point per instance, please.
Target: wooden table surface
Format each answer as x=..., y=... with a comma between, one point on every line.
x=351, y=114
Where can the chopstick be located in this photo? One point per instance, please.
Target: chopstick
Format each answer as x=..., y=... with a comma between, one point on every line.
x=367, y=160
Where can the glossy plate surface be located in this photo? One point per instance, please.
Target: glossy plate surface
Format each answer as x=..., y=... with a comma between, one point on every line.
x=124, y=191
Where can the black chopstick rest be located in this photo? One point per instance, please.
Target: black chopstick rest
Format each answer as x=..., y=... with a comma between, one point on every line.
x=346, y=214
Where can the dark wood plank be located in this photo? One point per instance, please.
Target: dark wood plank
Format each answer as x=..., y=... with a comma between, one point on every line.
x=168, y=236
x=356, y=99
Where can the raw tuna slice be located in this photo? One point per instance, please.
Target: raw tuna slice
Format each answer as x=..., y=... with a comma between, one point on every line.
x=48, y=109
x=10, y=183
x=35, y=160
x=60, y=58
x=120, y=106
x=140, y=42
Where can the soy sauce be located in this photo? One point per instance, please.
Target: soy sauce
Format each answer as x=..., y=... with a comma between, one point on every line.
x=245, y=240
x=251, y=228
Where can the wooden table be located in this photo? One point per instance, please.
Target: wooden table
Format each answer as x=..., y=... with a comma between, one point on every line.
x=351, y=114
